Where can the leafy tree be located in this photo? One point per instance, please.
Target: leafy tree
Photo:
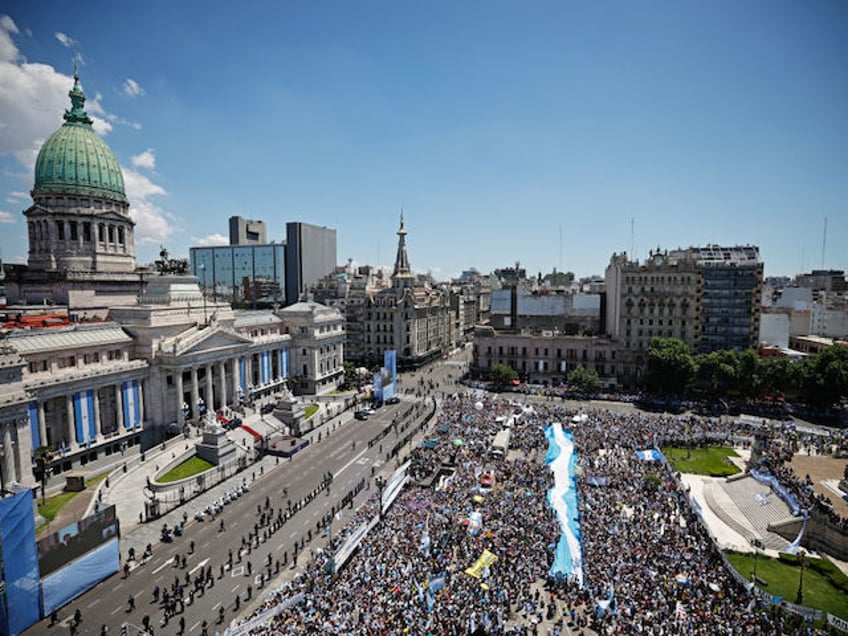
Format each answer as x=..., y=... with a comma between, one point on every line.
x=350, y=377
x=671, y=368
x=717, y=372
x=43, y=457
x=825, y=376
x=584, y=380
x=501, y=374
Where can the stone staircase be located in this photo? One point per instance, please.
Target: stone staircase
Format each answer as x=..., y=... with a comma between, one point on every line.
x=744, y=493
x=710, y=496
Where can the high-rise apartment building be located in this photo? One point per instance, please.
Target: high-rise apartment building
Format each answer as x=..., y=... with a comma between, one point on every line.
x=709, y=297
x=310, y=255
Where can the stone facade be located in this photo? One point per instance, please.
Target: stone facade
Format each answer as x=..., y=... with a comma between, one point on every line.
x=317, y=359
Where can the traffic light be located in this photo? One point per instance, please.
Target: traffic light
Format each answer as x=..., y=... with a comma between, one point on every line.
x=124, y=629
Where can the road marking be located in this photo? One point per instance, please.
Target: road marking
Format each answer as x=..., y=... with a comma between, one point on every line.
x=293, y=535
x=191, y=629
x=316, y=513
x=237, y=571
x=164, y=565
x=236, y=587
x=117, y=609
x=280, y=547
x=346, y=466
x=94, y=602
x=215, y=606
x=199, y=566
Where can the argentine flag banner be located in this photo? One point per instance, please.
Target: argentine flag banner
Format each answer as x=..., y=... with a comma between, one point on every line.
x=284, y=363
x=132, y=408
x=85, y=425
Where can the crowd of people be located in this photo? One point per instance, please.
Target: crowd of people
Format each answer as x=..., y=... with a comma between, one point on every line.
x=650, y=566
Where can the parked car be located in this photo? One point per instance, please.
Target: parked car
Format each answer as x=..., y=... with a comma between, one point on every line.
x=361, y=415
x=393, y=400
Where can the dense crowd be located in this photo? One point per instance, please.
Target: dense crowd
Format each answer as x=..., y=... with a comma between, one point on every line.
x=650, y=567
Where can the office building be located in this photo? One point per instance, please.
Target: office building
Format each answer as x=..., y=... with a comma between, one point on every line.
x=246, y=275
x=310, y=255
x=247, y=231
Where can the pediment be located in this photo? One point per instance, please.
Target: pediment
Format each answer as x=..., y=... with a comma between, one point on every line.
x=216, y=340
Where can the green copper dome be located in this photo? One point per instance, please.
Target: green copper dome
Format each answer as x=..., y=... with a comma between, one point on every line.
x=75, y=160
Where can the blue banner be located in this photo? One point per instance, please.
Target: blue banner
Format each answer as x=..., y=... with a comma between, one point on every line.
x=84, y=416
x=241, y=375
x=78, y=577
x=20, y=562
x=33, y=425
x=389, y=373
x=378, y=387
x=284, y=363
x=265, y=367
x=132, y=406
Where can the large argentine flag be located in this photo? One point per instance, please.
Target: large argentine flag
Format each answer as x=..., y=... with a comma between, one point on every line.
x=86, y=427
x=132, y=407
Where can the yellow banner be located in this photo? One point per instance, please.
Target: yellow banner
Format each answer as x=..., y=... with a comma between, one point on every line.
x=486, y=559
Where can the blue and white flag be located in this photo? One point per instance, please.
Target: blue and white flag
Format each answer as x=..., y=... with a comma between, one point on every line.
x=792, y=548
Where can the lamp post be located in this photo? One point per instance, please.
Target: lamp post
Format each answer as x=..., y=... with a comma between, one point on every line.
x=799, y=600
x=380, y=483
x=757, y=545
x=2, y=470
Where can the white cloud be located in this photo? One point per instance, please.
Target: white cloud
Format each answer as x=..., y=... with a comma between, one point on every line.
x=16, y=195
x=66, y=40
x=33, y=97
x=8, y=50
x=6, y=217
x=210, y=239
x=146, y=159
x=132, y=88
x=152, y=222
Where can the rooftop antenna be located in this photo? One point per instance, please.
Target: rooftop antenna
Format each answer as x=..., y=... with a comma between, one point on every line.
x=824, y=240
x=560, y=247
x=632, y=238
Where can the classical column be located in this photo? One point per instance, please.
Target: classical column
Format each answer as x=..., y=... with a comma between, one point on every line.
x=42, y=423
x=195, y=393
x=236, y=383
x=210, y=395
x=97, y=414
x=119, y=410
x=178, y=373
x=72, y=444
x=141, y=394
x=8, y=464
x=222, y=379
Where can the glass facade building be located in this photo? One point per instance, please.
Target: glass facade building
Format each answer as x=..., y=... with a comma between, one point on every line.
x=241, y=274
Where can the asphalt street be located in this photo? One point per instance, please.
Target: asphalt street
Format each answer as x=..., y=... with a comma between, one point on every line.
x=293, y=487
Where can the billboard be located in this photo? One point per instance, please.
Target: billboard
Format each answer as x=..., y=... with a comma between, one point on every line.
x=385, y=382
x=19, y=595
x=389, y=373
x=76, y=539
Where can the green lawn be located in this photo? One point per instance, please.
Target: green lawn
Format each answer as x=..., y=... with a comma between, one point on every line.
x=310, y=410
x=819, y=591
x=188, y=468
x=702, y=461
x=52, y=505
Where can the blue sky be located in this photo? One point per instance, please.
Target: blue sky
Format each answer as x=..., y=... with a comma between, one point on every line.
x=507, y=131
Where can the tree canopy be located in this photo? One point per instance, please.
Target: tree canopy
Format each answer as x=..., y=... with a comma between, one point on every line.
x=671, y=367
x=501, y=374
x=584, y=380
